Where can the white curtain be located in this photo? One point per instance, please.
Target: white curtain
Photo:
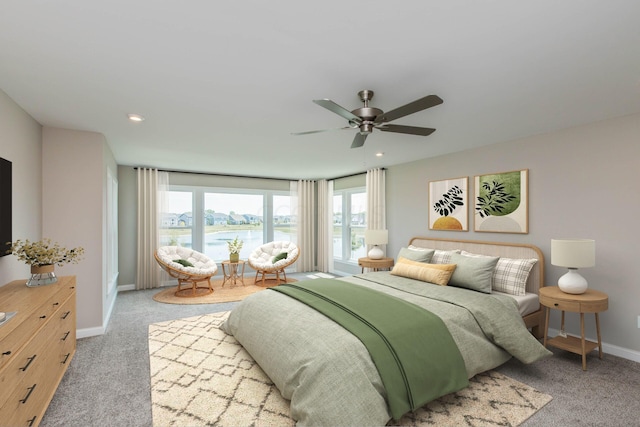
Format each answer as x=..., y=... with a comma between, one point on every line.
x=152, y=187
x=303, y=192
x=376, y=207
x=325, y=226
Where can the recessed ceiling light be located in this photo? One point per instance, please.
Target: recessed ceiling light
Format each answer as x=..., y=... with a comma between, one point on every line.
x=379, y=154
x=135, y=117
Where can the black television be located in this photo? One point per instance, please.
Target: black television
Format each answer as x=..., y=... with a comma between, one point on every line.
x=5, y=206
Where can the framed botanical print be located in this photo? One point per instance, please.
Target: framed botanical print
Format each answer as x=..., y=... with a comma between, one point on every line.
x=501, y=202
x=448, y=204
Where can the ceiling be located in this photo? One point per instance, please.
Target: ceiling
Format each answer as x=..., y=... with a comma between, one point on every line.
x=222, y=85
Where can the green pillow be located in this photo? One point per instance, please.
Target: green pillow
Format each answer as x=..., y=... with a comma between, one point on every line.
x=416, y=255
x=472, y=272
x=183, y=262
x=281, y=255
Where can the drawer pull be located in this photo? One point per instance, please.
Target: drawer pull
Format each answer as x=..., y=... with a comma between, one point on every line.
x=56, y=303
x=65, y=336
x=23, y=401
x=32, y=421
x=6, y=353
x=43, y=316
x=30, y=359
x=66, y=358
x=64, y=316
x=556, y=304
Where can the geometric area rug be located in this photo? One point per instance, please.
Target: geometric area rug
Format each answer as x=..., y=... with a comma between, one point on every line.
x=200, y=376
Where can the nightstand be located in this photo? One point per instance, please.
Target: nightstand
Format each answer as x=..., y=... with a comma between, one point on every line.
x=589, y=302
x=375, y=264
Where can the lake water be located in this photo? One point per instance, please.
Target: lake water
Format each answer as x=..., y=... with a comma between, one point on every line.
x=215, y=244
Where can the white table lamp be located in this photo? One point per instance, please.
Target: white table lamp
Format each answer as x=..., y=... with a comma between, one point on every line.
x=375, y=238
x=573, y=254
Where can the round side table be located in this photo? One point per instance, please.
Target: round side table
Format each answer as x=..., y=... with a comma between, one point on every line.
x=232, y=272
x=591, y=301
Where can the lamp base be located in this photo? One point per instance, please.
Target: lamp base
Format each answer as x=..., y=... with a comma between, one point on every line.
x=375, y=253
x=572, y=283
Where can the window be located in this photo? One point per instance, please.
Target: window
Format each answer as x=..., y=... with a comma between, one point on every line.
x=349, y=224
x=205, y=219
x=227, y=215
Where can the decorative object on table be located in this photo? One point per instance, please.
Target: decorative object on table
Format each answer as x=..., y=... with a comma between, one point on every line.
x=235, y=246
x=502, y=202
x=573, y=254
x=376, y=238
x=43, y=256
x=448, y=204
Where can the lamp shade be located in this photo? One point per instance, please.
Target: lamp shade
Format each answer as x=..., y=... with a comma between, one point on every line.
x=573, y=253
x=376, y=237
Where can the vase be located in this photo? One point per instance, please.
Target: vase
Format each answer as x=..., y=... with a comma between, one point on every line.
x=42, y=275
x=234, y=257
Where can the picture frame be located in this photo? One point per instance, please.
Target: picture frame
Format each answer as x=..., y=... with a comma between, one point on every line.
x=448, y=204
x=501, y=202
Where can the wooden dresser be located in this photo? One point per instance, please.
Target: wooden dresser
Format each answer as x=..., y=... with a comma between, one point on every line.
x=36, y=347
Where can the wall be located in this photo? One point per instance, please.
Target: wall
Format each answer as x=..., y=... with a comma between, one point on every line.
x=583, y=182
x=20, y=143
x=74, y=174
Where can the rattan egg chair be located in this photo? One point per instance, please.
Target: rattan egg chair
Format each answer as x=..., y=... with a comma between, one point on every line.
x=265, y=260
x=191, y=278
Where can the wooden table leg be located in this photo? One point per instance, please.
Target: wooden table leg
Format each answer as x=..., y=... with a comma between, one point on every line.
x=599, y=338
x=546, y=327
x=584, y=348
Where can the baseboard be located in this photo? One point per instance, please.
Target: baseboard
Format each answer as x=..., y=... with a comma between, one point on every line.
x=90, y=332
x=122, y=288
x=614, y=350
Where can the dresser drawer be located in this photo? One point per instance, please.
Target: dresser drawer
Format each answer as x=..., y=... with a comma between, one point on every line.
x=36, y=347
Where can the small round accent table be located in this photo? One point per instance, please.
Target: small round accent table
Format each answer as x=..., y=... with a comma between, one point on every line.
x=375, y=264
x=591, y=301
x=232, y=272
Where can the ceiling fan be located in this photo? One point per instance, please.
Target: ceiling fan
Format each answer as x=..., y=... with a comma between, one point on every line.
x=366, y=118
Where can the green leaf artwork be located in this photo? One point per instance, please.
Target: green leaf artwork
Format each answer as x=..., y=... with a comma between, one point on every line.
x=499, y=194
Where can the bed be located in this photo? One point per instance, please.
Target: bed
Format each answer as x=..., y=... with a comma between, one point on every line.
x=333, y=377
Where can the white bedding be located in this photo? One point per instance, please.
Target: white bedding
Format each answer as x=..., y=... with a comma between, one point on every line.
x=527, y=303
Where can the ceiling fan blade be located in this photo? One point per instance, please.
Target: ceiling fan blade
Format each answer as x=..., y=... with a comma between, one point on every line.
x=358, y=141
x=341, y=111
x=319, y=131
x=413, y=130
x=412, y=107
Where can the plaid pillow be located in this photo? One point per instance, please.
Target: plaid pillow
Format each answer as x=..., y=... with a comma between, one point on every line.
x=510, y=275
x=443, y=257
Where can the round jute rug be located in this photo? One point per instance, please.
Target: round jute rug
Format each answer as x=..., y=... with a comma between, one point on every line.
x=228, y=293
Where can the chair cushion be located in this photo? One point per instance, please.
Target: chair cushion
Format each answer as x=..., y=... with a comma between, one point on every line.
x=263, y=257
x=202, y=264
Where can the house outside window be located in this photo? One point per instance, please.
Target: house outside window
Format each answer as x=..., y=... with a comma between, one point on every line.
x=205, y=219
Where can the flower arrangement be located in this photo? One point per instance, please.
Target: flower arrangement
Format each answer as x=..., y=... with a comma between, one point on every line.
x=235, y=245
x=38, y=254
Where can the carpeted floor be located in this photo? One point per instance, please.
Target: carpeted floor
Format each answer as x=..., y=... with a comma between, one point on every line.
x=108, y=381
x=202, y=376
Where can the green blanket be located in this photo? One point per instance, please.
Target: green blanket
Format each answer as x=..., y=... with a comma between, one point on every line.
x=413, y=351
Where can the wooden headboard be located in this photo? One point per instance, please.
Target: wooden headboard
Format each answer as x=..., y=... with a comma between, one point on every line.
x=507, y=250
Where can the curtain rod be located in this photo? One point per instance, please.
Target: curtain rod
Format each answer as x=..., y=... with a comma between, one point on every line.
x=248, y=176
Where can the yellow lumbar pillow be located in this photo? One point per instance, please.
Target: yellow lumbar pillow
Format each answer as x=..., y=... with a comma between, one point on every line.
x=432, y=273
